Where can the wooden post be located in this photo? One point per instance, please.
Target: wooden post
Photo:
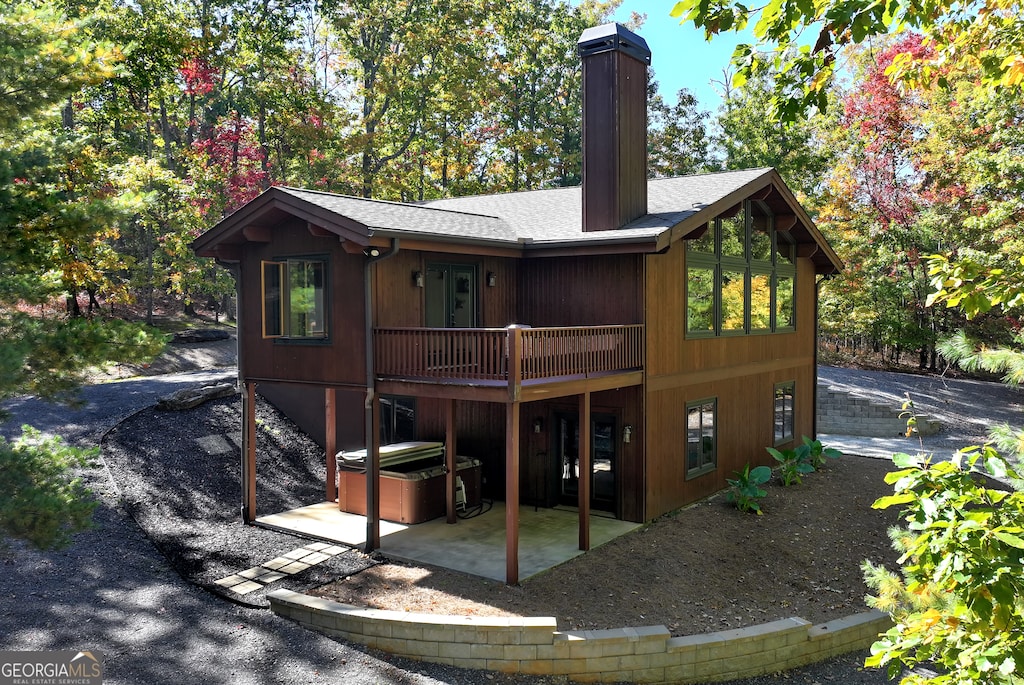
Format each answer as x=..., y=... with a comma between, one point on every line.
x=449, y=460
x=515, y=361
x=249, y=453
x=583, y=483
x=331, y=441
x=373, y=479
x=512, y=493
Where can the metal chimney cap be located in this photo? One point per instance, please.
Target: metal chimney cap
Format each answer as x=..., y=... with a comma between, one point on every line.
x=613, y=37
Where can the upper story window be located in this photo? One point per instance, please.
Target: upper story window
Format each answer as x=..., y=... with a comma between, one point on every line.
x=740, y=275
x=295, y=298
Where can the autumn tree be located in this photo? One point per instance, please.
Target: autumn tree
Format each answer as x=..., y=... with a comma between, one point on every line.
x=746, y=138
x=802, y=44
x=57, y=205
x=677, y=140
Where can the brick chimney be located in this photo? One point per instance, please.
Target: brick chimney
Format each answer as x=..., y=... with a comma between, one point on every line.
x=614, y=126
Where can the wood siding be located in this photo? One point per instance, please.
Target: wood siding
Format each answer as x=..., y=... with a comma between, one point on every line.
x=581, y=291
x=739, y=371
x=340, y=360
x=398, y=302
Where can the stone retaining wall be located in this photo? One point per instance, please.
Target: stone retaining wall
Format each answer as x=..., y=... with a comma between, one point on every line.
x=845, y=413
x=535, y=646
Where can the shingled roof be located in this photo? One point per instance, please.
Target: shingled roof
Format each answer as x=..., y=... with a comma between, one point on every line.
x=532, y=221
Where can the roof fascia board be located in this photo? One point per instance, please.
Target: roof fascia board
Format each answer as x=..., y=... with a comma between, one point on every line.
x=753, y=189
x=274, y=198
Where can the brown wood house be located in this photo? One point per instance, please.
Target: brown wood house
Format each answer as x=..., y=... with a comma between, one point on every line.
x=624, y=345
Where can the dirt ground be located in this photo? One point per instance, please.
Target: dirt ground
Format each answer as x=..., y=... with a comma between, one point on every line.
x=705, y=568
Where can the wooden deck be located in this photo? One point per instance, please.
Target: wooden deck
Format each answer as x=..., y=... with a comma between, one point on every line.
x=514, y=363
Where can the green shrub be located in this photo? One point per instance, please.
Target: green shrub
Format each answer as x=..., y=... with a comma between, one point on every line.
x=793, y=464
x=40, y=500
x=817, y=455
x=745, y=489
x=959, y=602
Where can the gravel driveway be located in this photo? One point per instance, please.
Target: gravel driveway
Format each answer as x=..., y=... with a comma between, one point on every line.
x=113, y=591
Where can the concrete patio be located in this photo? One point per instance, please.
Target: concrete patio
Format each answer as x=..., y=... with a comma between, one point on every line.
x=547, y=537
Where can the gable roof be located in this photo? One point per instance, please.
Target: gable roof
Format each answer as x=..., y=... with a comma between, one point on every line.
x=539, y=222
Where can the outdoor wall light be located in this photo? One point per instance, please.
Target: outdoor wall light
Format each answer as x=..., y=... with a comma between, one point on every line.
x=417, y=279
x=492, y=279
x=538, y=425
x=627, y=434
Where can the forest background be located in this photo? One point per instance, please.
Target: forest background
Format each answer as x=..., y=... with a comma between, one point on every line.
x=128, y=127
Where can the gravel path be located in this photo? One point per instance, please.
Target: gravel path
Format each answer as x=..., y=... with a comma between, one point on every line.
x=113, y=590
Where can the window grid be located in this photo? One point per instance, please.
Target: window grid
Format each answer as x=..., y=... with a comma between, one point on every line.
x=754, y=274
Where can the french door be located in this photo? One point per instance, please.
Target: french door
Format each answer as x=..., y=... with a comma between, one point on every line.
x=603, y=458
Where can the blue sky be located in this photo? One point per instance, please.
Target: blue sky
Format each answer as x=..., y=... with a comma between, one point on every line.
x=681, y=58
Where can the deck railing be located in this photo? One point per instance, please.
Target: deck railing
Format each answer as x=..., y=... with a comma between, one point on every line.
x=514, y=354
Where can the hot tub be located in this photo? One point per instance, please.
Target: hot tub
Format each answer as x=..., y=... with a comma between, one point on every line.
x=412, y=481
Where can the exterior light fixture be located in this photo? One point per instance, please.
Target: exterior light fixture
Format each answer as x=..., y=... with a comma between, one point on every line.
x=538, y=425
x=492, y=279
x=417, y=279
x=627, y=434
x=371, y=252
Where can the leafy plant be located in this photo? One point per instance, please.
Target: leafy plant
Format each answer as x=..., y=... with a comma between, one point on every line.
x=793, y=464
x=746, y=489
x=40, y=500
x=817, y=454
x=959, y=603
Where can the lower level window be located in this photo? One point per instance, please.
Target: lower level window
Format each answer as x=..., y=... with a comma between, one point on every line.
x=397, y=419
x=701, y=437
x=784, y=397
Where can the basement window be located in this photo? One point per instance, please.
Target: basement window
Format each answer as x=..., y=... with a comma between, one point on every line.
x=784, y=422
x=701, y=437
x=295, y=298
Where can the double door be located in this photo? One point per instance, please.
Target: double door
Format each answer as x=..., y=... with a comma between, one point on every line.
x=603, y=459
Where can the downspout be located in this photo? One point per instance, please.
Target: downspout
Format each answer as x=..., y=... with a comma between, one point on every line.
x=372, y=458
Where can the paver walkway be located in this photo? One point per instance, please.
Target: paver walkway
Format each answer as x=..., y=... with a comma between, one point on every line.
x=278, y=568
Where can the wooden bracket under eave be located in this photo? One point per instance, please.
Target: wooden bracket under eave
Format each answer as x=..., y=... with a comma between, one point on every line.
x=224, y=253
x=764, y=193
x=256, y=234
x=807, y=249
x=321, y=232
x=784, y=223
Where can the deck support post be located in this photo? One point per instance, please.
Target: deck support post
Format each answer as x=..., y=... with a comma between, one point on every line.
x=331, y=441
x=249, y=453
x=585, y=467
x=373, y=478
x=450, y=463
x=512, y=493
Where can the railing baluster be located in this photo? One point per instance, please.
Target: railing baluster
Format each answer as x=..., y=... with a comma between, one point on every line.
x=485, y=353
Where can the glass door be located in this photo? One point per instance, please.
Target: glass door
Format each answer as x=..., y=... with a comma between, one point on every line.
x=451, y=296
x=602, y=459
